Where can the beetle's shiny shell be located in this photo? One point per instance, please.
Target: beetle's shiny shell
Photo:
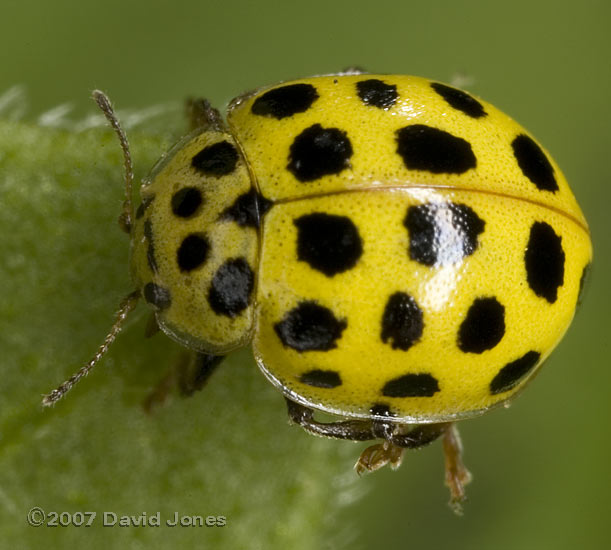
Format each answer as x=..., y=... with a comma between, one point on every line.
x=392, y=246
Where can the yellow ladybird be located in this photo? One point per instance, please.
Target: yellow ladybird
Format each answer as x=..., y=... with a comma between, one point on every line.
x=398, y=252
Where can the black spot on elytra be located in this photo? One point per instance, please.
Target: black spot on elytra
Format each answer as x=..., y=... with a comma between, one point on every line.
x=150, y=251
x=186, y=202
x=483, y=327
x=402, y=321
x=328, y=243
x=426, y=148
x=534, y=163
x=381, y=409
x=460, y=100
x=321, y=378
x=248, y=209
x=218, y=159
x=512, y=373
x=231, y=287
x=157, y=296
x=442, y=233
x=285, y=101
x=411, y=385
x=318, y=152
x=544, y=260
x=310, y=327
x=193, y=252
x=377, y=93
x=146, y=202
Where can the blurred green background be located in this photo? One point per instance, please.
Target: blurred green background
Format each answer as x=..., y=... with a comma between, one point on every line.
x=541, y=468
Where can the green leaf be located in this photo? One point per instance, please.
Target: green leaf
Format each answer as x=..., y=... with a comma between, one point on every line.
x=228, y=451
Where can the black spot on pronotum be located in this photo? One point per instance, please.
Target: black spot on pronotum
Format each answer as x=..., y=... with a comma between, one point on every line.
x=483, y=327
x=193, y=252
x=402, y=321
x=411, y=385
x=460, y=100
x=157, y=296
x=231, y=287
x=512, y=373
x=186, y=202
x=544, y=261
x=442, y=233
x=310, y=327
x=146, y=202
x=321, y=378
x=318, y=152
x=248, y=209
x=218, y=159
x=377, y=93
x=285, y=101
x=426, y=148
x=534, y=163
x=328, y=243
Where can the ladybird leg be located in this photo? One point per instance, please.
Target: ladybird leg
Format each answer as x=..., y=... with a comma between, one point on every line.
x=189, y=374
x=201, y=114
x=457, y=475
x=355, y=430
x=420, y=436
x=197, y=373
x=159, y=395
x=152, y=327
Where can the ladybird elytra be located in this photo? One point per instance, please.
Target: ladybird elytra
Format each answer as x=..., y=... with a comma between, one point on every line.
x=399, y=253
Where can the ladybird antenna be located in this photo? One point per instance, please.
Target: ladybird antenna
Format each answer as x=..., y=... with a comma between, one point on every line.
x=103, y=102
x=127, y=305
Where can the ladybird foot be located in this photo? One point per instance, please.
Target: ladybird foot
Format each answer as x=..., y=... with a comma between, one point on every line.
x=376, y=456
x=457, y=475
